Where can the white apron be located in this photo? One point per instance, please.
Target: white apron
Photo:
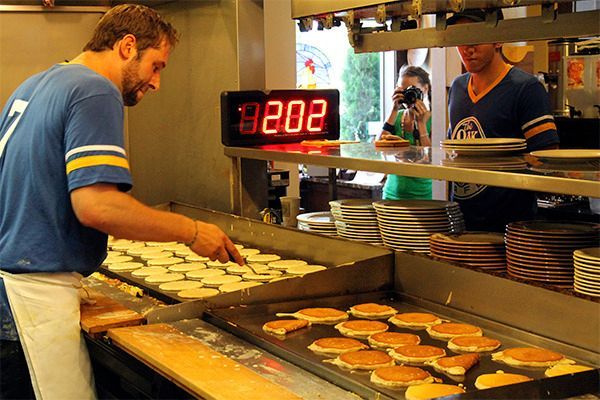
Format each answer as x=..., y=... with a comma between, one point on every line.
x=45, y=307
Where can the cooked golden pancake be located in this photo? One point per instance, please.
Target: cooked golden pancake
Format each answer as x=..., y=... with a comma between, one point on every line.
x=431, y=391
x=562, y=369
x=400, y=376
x=487, y=381
x=456, y=365
x=319, y=315
x=531, y=357
x=415, y=320
x=450, y=330
x=372, y=311
x=473, y=343
x=283, y=326
x=388, y=340
x=417, y=354
x=336, y=345
x=363, y=359
x=361, y=328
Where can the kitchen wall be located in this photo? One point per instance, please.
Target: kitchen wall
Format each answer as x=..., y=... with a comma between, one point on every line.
x=31, y=42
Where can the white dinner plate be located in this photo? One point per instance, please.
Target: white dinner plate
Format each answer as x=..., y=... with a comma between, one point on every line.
x=566, y=154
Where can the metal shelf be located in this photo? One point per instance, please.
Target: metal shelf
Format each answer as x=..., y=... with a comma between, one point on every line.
x=420, y=162
x=386, y=36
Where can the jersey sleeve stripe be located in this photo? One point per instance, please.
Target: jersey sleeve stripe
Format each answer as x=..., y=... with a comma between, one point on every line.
x=535, y=121
x=93, y=161
x=548, y=126
x=99, y=147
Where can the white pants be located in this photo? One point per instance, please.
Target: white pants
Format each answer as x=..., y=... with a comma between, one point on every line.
x=45, y=307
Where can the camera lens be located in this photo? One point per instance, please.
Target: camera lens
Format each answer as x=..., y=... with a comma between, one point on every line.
x=411, y=95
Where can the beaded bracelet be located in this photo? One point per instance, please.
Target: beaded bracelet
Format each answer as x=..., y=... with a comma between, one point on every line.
x=191, y=243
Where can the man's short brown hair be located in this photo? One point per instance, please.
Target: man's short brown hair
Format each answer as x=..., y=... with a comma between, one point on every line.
x=148, y=27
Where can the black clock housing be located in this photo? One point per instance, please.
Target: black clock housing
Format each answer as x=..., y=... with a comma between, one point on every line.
x=256, y=117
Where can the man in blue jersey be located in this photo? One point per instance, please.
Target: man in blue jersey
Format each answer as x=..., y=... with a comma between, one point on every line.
x=64, y=174
x=495, y=100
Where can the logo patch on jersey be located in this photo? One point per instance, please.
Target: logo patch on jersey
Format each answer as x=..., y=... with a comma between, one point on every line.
x=468, y=128
x=464, y=191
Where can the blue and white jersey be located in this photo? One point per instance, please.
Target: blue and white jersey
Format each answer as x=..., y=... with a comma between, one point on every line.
x=516, y=105
x=62, y=129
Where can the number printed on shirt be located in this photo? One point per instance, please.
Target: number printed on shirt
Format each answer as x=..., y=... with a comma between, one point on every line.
x=17, y=107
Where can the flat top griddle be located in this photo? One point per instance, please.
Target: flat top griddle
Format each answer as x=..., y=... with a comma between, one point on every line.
x=247, y=321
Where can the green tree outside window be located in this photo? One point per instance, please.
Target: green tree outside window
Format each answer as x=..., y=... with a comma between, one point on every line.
x=360, y=97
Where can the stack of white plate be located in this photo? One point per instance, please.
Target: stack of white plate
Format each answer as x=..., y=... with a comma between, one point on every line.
x=483, y=250
x=407, y=224
x=587, y=271
x=317, y=222
x=487, y=163
x=484, y=146
x=356, y=219
x=570, y=163
x=542, y=251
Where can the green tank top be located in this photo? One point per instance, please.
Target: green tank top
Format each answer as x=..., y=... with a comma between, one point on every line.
x=403, y=187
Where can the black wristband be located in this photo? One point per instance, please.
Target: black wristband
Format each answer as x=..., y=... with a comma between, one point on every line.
x=389, y=127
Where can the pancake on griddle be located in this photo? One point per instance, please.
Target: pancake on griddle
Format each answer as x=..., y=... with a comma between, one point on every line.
x=388, y=340
x=431, y=391
x=400, y=376
x=565, y=369
x=361, y=328
x=487, y=381
x=415, y=320
x=284, y=326
x=473, y=344
x=455, y=365
x=372, y=311
x=336, y=345
x=416, y=354
x=530, y=357
x=318, y=315
x=449, y=330
x=363, y=359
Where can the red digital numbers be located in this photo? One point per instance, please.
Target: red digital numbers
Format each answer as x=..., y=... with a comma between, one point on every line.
x=284, y=117
x=249, y=121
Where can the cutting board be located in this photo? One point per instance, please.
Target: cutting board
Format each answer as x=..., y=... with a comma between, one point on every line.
x=106, y=313
x=194, y=366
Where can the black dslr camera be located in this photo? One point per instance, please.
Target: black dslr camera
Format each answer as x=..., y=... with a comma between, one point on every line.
x=411, y=95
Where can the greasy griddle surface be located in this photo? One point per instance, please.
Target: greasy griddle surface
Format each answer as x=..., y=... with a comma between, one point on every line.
x=247, y=322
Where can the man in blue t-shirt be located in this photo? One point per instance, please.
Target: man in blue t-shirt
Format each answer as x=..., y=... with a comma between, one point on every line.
x=494, y=100
x=64, y=174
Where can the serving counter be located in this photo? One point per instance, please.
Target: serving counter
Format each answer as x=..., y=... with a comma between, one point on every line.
x=515, y=312
x=425, y=162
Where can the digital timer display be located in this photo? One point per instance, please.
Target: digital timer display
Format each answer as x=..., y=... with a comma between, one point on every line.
x=279, y=116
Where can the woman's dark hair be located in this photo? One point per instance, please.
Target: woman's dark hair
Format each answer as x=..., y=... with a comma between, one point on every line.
x=148, y=27
x=420, y=74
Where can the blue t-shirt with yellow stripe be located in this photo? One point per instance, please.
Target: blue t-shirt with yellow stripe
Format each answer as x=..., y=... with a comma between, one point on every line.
x=62, y=129
x=516, y=105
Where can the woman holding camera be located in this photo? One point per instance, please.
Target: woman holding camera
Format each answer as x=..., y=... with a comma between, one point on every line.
x=409, y=119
